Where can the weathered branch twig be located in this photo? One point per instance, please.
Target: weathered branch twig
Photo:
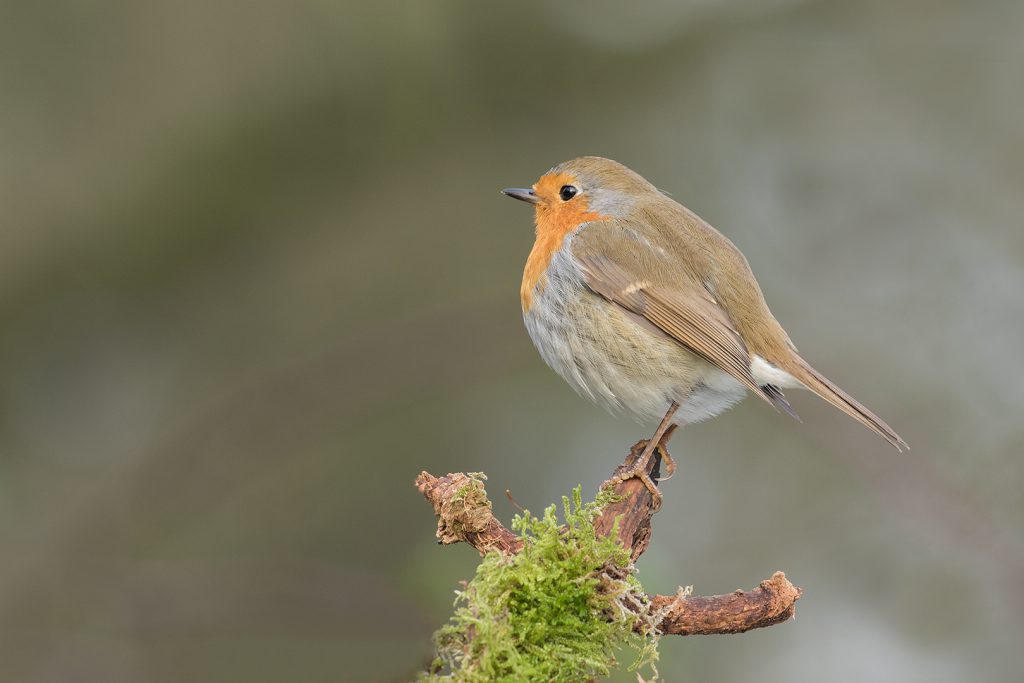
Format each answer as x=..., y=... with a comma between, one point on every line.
x=773, y=602
x=464, y=514
x=459, y=520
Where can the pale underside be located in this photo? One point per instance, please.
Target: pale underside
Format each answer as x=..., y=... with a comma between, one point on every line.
x=622, y=362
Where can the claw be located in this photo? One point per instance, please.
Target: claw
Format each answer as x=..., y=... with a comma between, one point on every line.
x=669, y=461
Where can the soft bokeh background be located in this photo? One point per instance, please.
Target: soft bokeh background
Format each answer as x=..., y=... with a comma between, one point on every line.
x=255, y=274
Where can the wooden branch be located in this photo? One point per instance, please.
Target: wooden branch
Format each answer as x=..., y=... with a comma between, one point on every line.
x=635, y=506
x=773, y=602
x=464, y=514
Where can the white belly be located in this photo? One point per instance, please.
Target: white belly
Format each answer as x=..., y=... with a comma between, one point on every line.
x=616, y=361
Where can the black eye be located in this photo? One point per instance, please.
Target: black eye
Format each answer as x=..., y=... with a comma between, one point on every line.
x=567, y=192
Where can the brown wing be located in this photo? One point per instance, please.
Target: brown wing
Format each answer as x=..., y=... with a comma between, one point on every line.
x=687, y=313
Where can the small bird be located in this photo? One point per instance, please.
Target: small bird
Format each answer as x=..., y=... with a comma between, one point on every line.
x=644, y=308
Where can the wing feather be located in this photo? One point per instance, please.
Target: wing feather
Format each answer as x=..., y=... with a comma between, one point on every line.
x=690, y=315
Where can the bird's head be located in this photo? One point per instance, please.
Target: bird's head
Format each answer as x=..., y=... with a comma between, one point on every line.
x=581, y=190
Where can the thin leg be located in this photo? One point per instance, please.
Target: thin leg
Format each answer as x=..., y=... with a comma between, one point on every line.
x=639, y=468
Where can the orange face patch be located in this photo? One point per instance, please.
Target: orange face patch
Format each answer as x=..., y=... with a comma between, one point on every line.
x=554, y=219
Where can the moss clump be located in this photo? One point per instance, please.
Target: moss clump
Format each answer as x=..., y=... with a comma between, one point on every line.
x=556, y=611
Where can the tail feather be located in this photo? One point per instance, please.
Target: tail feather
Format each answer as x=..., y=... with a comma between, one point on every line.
x=824, y=388
x=776, y=396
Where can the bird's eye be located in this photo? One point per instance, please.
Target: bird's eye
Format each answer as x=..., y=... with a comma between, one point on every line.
x=567, y=192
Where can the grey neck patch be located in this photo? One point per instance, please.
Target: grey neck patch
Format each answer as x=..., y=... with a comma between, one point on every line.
x=609, y=202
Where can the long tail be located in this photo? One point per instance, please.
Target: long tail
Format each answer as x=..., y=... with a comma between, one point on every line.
x=824, y=388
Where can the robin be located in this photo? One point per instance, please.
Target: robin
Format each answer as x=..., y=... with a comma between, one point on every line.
x=644, y=308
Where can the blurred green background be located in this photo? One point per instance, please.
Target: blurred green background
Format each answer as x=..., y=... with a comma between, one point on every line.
x=255, y=274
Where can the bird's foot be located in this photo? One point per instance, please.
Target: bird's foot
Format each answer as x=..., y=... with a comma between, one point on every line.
x=638, y=470
x=668, y=460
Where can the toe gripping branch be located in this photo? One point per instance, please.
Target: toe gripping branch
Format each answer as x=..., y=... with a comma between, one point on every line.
x=469, y=519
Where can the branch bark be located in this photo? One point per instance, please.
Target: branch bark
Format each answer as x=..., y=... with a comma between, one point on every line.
x=464, y=515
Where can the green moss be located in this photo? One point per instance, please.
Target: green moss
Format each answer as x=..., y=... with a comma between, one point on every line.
x=557, y=611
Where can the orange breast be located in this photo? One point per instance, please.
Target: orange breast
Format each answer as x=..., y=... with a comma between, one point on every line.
x=554, y=220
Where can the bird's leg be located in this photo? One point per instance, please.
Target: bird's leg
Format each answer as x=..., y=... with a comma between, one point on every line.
x=639, y=468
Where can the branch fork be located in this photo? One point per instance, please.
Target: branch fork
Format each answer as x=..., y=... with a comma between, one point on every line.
x=464, y=515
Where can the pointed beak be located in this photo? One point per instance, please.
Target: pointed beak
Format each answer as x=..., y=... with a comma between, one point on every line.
x=523, y=194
